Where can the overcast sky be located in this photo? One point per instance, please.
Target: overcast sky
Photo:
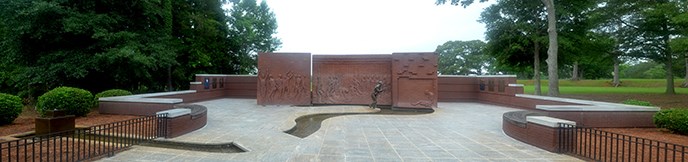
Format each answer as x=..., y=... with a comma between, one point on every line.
x=372, y=26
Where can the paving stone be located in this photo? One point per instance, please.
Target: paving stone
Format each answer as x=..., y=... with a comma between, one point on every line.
x=417, y=159
x=359, y=159
x=331, y=158
x=454, y=132
x=364, y=152
x=303, y=158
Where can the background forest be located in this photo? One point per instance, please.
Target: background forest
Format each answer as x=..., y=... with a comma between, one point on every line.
x=137, y=45
x=596, y=39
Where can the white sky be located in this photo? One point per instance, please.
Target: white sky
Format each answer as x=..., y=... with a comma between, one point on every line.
x=372, y=26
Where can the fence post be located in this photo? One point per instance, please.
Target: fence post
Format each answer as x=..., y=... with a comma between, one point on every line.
x=162, y=125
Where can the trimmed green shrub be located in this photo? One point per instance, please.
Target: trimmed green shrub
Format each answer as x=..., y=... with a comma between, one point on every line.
x=637, y=102
x=675, y=120
x=74, y=101
x=10, y=108
x=113, y=93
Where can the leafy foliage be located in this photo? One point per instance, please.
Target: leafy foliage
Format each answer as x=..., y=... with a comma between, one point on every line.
x=645, y=29
x=10, y=108
x=637, y=102
x=74, y=101
x=253, y=27
x=113, y=93
x=141, y=45
x=463, y=58
x=675, y=120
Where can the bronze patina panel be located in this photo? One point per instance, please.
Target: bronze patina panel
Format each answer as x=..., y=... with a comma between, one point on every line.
x=414, y=80
x=284, y=79
x=350, y=79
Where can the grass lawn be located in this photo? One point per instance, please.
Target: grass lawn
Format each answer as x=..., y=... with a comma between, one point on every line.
x=628, y=86
x=530, y=89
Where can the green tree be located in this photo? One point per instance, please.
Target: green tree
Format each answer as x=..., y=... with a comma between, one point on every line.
x=252, y=27
x=552, y=50
x=144, y=45
x=463, y=58
x=201, y=27
x=516, y=34
x=647, y=28
x=680, y=43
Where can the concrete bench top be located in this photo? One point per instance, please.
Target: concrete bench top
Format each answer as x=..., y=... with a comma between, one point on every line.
x=476, y=76
x=173, y=113
x=585, y=105
x=222, y=75
x=146, y=98
x=548, y=121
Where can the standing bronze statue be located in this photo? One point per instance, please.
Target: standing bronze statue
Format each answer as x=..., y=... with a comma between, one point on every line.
x=376, y=92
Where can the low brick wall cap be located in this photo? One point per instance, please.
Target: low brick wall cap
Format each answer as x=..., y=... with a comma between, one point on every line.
x=173, y=113
x=548, y=121
x=221, y=75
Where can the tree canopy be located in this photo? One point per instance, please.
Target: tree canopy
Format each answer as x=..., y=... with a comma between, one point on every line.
x=589, y=38
x=464, y=58
x=140, y=45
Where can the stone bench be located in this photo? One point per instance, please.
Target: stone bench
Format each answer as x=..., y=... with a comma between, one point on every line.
x=184, y=118
x=141, y=104
x=519, y=117
x=549, y=121
x=531, y=128
x=595, y=113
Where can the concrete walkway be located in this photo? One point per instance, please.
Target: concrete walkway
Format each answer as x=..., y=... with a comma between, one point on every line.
x=454, y=132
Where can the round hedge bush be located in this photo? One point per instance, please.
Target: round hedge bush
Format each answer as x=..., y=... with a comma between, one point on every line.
x=10, y=108
x=675, y=120
x=113, y=93
x=74, y=101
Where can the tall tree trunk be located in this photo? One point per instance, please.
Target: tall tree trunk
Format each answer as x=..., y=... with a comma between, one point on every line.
x=669, y=76
x=575, y=75
x=552, y=50
x=616, y=82
x=685, y=79
x=169, y=78
x=536, y=68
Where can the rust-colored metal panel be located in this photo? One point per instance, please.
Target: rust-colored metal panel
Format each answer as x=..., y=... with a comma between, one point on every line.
x=284, y=79
x=414, y=80
x=350, y=79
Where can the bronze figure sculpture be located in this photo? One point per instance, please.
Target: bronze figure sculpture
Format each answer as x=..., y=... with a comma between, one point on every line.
x=376, y=92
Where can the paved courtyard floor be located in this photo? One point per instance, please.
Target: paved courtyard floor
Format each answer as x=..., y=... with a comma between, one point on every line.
x=454, y=132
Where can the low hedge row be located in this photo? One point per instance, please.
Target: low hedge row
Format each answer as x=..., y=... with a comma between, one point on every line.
x=10, y=108
x=637, y=102
x=74, y=101
x=113, y=93
x=675, y=120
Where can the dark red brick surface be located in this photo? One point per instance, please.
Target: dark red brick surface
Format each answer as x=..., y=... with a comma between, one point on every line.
x=350, y=79
x=186, y=123
x=414, y=80
x=284, y=79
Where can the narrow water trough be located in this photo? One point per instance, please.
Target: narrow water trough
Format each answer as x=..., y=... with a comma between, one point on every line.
x=216, y=148
x=309, y=124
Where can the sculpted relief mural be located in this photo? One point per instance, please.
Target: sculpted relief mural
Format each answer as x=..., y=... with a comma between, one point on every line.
x=284, y=79
x=350, y=89
x=415, y=80
x=408, y=80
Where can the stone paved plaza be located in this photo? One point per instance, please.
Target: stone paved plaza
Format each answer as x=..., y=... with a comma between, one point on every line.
x=454, y=132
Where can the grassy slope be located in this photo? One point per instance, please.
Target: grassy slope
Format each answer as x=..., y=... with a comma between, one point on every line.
x=628, y=86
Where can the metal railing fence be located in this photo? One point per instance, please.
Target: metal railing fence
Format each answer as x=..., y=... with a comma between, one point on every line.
x=85, y=144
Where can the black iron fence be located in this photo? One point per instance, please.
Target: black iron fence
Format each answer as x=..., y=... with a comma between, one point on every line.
x=84, y=144
x=599, y=145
